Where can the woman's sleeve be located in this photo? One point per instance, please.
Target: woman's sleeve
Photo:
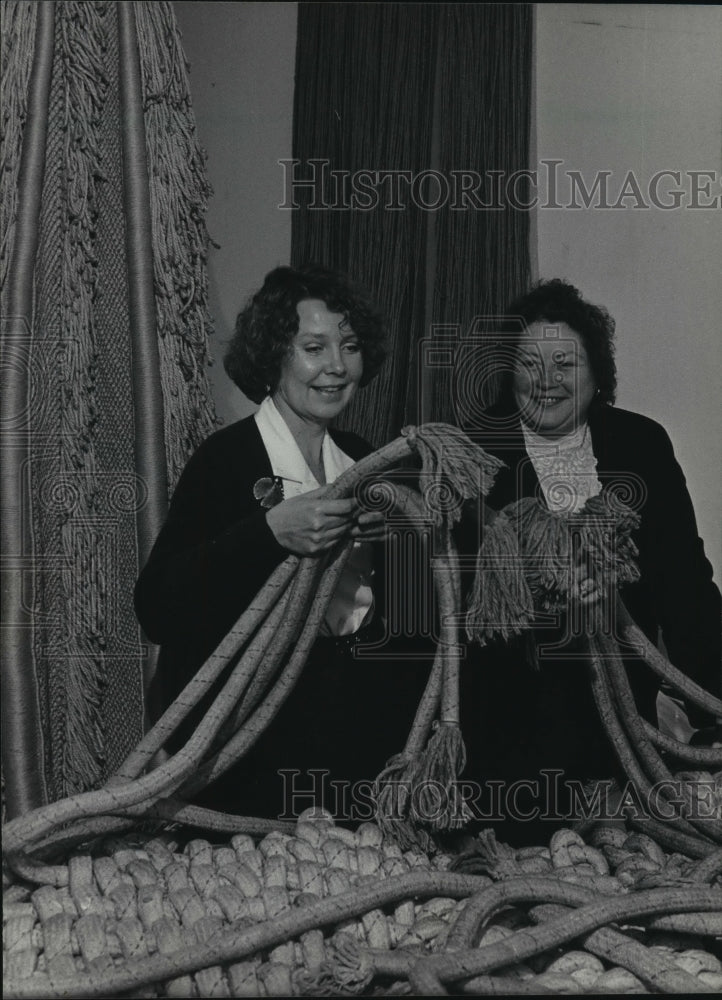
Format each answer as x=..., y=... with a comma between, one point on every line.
x=213, y=554
x=688, y=601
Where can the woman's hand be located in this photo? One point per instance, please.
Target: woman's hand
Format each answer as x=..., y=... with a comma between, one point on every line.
x=369, y=526
x=310, y=524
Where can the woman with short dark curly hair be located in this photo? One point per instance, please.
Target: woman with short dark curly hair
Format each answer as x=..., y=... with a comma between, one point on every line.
x=255, y=492
x=528, y=712
x=267, y=325
x=557, y=301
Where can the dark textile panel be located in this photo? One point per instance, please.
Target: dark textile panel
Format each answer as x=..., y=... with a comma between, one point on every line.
x=482, y=254
x=414, y=88
x=363, y=101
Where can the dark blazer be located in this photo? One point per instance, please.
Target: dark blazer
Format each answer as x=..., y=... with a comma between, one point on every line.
x=213, y=554
x=519, y=719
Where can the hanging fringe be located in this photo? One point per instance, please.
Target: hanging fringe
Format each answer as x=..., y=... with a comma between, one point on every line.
x=530, y=558
x=607, y=537
x=453, y=469
x=435, y=799
x=554, y=545
x=393, y=795
x=500, y=601
x=81, y=40
x=16, y=61
x=179, y=193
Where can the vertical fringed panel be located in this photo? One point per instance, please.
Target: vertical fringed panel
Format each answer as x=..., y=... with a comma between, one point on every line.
x=17, y=46
x=25, y=95
x=88, y=477
x=71, y=528
x=482, y=249
x=179, y=193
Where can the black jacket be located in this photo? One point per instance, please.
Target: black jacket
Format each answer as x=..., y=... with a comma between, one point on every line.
x=518, y=719
x=213, y=554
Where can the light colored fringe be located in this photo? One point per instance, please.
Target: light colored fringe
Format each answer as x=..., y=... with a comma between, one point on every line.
x=551, y=544
x=16, y=59
x=80, y=58
x=500, y=601
x=179, y=193
x=453, y=469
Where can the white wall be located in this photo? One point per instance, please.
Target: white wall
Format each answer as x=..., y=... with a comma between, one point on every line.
x=242, y=58
x=638, y=87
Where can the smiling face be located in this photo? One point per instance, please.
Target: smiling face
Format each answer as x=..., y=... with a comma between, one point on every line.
x=322, y=369
x=553, y=382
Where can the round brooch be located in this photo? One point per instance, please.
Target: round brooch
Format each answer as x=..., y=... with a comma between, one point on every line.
x=268, y=491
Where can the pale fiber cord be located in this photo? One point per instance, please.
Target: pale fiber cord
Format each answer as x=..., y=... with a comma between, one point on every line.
x=468, y=469
x=621, y=745
x=706, y=756
x=662, y=667
x=22, y=731
x=235, y=944
x=243, y=740
x=24, y=831
x=591, y=914
x=271, y=592
x=650, y=759
x=274, y=648
x=252, y=728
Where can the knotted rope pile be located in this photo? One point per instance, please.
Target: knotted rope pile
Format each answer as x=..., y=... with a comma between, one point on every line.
x=321, y=910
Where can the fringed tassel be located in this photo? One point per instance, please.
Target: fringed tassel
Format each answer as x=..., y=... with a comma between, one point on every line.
x=554, y=546
x=81, y=37
x=607, y=526
x=393, y=787
x=434, y=794
x=347, y=971
x=179, y=193
x=546, y=546
x=500, y=602
x=453, y=469
x=16, y=61
x=393, y=795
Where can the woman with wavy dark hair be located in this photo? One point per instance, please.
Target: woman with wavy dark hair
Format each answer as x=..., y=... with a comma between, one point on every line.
x=528, y=705
x=255, y=492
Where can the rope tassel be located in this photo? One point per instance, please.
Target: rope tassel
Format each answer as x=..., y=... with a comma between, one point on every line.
x=453, y=469
x=531, y=558
x=500, y=601
x=435, y=799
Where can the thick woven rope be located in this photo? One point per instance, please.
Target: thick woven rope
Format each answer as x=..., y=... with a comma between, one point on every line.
x=276, y=917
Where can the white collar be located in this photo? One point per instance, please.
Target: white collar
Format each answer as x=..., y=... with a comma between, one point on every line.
x=286, y=458
x=539, y=445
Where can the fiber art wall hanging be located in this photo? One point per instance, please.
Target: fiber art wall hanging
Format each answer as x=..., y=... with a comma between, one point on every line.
x=105, y=349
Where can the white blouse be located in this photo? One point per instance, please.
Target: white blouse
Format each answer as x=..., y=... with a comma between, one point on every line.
x=566, y=468
x=353, y=598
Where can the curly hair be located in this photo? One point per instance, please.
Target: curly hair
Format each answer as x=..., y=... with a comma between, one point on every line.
x=557, y=301
x=268, y=323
